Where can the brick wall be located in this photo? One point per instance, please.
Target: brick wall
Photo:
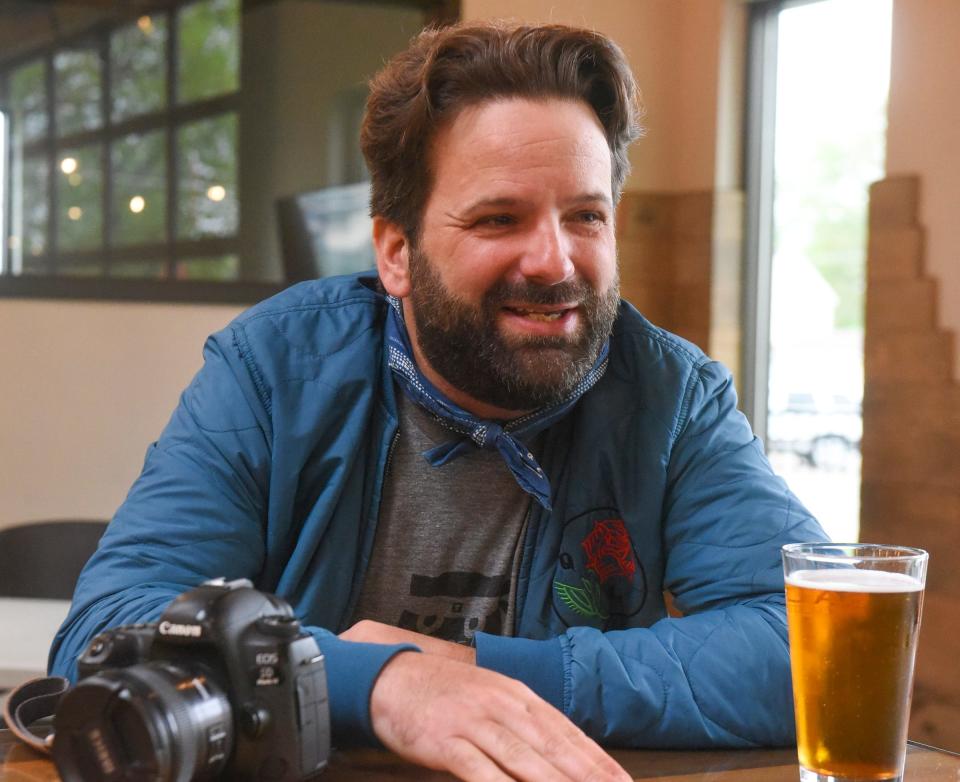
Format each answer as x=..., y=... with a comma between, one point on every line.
x=911, y=442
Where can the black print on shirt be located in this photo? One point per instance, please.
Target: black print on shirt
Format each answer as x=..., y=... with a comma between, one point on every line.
x=469, y=602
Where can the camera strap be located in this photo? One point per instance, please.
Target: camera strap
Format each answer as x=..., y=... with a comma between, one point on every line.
x=31, y=701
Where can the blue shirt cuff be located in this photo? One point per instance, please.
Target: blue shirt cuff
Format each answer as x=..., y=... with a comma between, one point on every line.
x=352, y=669
x=538, y=664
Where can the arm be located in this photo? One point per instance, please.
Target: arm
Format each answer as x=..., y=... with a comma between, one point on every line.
x=193, y=513
x=196, y=512
x=720, y=675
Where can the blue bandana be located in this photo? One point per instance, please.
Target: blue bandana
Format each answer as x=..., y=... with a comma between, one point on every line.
x=506, y=438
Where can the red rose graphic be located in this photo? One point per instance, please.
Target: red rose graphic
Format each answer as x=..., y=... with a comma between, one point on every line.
x=609, y=551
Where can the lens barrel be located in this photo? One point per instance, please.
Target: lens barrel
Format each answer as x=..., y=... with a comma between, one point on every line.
x=155, y=722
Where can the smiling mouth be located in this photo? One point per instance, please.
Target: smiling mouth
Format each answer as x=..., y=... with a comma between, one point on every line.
x=545, y=316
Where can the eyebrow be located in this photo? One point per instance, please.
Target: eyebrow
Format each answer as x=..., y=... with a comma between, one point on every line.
x=508, y=201
x=590, y=198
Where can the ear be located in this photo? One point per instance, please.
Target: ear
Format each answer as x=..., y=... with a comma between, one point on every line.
x=393, y=256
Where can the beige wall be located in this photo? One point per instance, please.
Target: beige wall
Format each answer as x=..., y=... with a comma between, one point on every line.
x=923, y=136
x=676, y=48
x=84, y=387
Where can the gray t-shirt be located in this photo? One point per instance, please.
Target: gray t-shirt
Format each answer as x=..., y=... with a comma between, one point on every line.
x=446, y=552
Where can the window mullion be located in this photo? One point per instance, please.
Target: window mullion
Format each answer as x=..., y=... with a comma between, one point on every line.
x=106, y=152
x=6, y=191
x=171, y=140
x=52, y=195
x=759, y=159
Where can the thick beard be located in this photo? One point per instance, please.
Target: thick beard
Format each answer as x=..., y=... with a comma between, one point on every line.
x=463, y=342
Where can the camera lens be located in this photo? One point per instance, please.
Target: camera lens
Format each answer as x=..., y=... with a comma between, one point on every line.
x=155, y=722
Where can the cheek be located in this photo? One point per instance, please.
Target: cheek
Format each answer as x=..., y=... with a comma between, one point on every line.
x=598, y=262
x=466, y=265
x=477, y=268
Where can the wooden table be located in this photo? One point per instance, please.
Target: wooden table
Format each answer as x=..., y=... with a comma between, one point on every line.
x=924, y=764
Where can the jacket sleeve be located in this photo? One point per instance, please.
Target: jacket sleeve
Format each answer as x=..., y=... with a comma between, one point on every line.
x=720, y=675
x=197, y=512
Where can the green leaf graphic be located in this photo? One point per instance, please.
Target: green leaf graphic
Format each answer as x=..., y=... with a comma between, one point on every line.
x=596, y=597
x=581, y=600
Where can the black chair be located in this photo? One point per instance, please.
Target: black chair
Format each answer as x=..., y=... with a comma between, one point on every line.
x=325, y=232
x=44, y=558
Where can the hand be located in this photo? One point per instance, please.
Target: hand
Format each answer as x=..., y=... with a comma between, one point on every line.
x=368, y=631
x=480, y=725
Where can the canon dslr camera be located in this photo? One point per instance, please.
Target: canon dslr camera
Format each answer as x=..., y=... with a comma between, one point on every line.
x=225, y=685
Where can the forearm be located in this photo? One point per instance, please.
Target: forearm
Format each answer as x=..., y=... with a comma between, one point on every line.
x=368, y=631
x=680, y=683
x=352, y=670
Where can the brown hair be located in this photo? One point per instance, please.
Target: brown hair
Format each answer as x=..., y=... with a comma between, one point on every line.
x=447, y=69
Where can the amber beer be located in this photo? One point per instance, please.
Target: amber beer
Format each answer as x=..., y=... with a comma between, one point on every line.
x=853, y=637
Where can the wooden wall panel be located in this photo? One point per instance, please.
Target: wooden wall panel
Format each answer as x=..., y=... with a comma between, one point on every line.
x=668, y=260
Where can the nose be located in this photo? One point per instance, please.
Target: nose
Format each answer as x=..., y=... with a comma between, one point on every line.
x=547, y=257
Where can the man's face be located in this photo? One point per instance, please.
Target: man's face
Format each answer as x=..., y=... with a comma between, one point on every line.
x=513, y=282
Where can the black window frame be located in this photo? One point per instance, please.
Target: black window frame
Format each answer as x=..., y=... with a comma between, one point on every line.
x=759, y=157
x=168, y=119
x=52, y=286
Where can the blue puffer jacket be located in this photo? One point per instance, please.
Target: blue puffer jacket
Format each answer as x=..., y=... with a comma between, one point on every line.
x=272, y=467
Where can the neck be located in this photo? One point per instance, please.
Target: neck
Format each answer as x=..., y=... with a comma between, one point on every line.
x=460, y=398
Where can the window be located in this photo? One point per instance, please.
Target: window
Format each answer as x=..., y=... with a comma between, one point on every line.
x=153, y=142
x=124, y=149
x=817, y=142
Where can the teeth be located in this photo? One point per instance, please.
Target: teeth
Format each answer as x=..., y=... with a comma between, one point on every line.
x=545, y=316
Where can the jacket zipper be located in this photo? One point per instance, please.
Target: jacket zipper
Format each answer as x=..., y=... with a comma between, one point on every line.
x=534, y=520
x=386, y=467
x=517, y=600
x=360, y=578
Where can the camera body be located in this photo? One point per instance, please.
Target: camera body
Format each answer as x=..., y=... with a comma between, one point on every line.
x=224, y=684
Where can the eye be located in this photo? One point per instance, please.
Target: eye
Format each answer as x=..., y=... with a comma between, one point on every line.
x=497, y=220
x=591, y=217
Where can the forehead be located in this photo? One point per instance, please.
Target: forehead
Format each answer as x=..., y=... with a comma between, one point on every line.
x=521, y=143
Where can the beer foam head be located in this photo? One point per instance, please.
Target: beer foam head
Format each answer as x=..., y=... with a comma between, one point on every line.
x=854, y=580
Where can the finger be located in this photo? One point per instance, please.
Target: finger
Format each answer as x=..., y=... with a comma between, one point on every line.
x=513, y=754
x=469, y=763
x=584, y=760
x=579, y=757
x=554, y=737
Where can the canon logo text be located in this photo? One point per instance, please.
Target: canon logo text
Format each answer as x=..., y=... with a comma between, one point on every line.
x=187, y=631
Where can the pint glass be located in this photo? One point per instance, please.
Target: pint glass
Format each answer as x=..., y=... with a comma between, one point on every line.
x=853, y=614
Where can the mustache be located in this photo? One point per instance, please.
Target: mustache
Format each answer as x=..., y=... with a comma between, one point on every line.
x=532, y=293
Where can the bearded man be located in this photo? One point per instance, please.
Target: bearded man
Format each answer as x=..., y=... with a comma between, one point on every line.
x=475, y=473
